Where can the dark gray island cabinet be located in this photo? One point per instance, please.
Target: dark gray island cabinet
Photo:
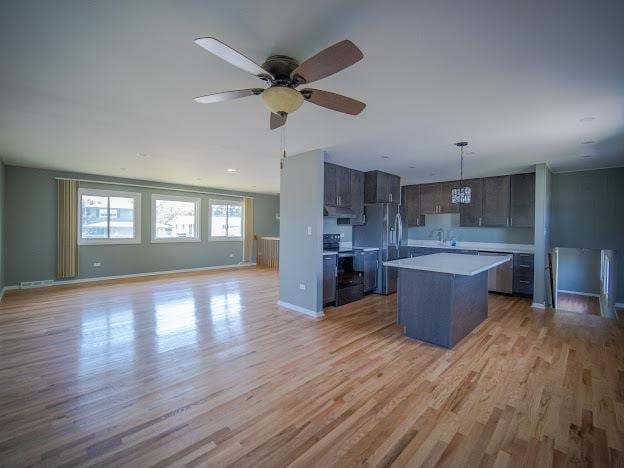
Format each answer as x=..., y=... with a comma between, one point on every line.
x=442, y=297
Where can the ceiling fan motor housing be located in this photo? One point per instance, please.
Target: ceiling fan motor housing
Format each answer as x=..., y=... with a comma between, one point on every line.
x=280, y=66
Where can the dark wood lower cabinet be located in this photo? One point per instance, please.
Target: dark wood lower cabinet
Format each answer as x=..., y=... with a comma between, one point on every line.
x=523, y=271
x=329, y=278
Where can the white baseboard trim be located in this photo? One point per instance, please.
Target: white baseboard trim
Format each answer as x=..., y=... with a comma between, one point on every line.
x=538, y=305
x=136, y=275
x=578, y=293
x=301, y=310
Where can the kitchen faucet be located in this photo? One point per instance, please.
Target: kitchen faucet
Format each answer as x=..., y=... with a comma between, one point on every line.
x=440, y=233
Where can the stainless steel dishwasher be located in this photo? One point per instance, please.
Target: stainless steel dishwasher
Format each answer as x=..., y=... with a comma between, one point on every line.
x=500, y=279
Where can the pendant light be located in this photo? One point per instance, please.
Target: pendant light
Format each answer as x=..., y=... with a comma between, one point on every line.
x=461, y=195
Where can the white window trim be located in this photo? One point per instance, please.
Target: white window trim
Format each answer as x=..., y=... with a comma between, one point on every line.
x=166, y=240
x=110, y=193
x=214, y=201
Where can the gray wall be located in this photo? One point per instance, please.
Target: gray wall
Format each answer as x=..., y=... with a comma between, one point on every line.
x=450, y=222
x=31, y=231
x=588, y=212
x=330, y=226
x=579, y=270
x=542, y=234
x=301, y=229
x=2, y=184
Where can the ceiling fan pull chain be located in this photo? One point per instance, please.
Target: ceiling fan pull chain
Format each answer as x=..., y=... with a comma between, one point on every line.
x=283, y=145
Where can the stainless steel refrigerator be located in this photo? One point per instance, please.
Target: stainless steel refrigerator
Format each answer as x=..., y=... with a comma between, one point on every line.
x=385, y=228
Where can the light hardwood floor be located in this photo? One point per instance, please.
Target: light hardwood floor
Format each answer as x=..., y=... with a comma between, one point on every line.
x=578, y=303
x=205, y=369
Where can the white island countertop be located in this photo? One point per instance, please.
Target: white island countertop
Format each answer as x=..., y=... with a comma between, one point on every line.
x=451, y=263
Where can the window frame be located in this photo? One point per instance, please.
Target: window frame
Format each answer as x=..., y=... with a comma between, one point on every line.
x=222, y=201
x=166, y=240
x=136, y=196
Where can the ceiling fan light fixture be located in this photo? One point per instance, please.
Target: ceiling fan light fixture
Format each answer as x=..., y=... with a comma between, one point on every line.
x=282, y=99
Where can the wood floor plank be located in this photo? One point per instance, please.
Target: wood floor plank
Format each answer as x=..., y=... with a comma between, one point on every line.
x=204, y=369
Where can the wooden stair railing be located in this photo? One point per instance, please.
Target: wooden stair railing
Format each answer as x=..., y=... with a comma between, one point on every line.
x=267, y=251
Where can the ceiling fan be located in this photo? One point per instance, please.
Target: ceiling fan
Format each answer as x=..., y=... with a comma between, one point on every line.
x=284, y=74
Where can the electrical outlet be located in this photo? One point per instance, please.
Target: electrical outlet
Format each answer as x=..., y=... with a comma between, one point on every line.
x=342, y=235
x=302, y=286
x=309, y=230
x=231, y=255
x=97, y=264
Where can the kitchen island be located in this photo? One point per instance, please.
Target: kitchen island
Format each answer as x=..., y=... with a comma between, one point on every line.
x=442, y=297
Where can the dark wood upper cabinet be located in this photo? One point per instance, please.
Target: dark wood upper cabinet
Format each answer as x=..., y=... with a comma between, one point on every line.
x=523, y=200
x=446, y=204
x=337, y=185
x=343, y=186
x=470, y=213
x=410, y=198
x=381, y=187
x=394, y=188
x=357, y=197
x=496, y=195
x=429, y=198
x=436, y=198
x=330, y=195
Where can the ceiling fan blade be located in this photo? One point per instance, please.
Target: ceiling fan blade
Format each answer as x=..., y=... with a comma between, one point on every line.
x=232, y=56
x=227, y=95
x=333, y=101
x=277, y=120
x=327, y=62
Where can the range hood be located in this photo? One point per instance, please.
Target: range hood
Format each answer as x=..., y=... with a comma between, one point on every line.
x=338, y=212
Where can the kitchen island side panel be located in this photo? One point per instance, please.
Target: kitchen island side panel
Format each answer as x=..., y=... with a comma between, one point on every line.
x=440, y=308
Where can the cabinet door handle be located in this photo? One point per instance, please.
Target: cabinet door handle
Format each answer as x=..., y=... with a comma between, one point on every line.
x=523, y=281
x=390, y=194
x=479, y=220
x=377, y=264
x=336, y=271
x=525, y=266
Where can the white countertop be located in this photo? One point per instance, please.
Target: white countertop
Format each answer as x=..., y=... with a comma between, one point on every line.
x=451, y=263
x=365, y=249
x=328, y=252
x=482, y=246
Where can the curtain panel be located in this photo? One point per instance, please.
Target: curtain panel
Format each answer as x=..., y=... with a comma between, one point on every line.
x=67, y=250
x=248, y=234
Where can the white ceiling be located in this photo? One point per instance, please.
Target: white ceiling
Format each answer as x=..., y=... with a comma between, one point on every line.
x=87, y=84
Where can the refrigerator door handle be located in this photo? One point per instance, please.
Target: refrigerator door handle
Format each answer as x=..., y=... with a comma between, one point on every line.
x=400, y=228
x=397, y=227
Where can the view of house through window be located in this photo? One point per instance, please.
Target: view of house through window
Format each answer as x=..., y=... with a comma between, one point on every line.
x=107, y=215
x=175, y=218
x=226, y=219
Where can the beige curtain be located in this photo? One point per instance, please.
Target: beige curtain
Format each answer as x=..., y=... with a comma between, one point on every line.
x=248, y=234
x=67, y=251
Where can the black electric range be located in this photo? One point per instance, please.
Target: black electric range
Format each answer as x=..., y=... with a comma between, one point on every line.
x=349, y=280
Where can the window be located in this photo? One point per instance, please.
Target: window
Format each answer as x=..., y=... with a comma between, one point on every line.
x=108, y=217
x=226, y=220
x=175, y=219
